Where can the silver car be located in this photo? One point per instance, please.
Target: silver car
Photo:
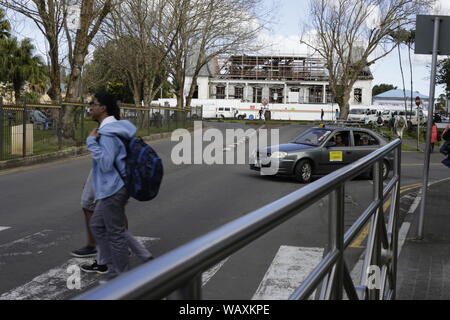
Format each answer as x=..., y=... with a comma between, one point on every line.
x=319, y=151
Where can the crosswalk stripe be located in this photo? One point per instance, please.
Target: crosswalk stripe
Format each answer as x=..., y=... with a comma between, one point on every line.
x=288, y=270
x=52, y=285
x=207, y=275
x=4, y=228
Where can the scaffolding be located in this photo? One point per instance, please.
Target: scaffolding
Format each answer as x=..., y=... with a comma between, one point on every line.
x=275, y=68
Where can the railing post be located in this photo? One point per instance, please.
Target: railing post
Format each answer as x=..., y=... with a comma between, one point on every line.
x=338, y=205
x=24, y=130
x=395, y=227
x=192, y=290
x=2, y=133
x=59, y=130
x=82, y=125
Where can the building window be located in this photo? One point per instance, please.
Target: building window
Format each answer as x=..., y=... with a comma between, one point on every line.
x=358, y=95
x=239, y=93
x=220, y=92
x=195, y=95
x=257, y=95
x=276, y=95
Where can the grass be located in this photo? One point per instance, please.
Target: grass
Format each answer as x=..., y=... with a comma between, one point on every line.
x=406, y=147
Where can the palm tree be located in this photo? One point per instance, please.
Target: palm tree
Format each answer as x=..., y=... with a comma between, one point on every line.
x=5, y=27
x=18, y=64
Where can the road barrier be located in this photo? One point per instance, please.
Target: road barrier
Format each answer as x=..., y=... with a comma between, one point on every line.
x=33, y=129
x=178, y=273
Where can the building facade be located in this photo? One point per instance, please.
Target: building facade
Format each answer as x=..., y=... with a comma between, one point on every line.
x=274, y=80
x=396, y=98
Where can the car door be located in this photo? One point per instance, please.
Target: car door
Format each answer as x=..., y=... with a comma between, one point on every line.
x=338, y=156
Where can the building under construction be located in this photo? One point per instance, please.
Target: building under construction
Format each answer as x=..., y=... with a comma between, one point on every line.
x=278, y=79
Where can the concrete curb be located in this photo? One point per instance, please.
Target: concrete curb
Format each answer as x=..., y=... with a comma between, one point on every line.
x=68, y=153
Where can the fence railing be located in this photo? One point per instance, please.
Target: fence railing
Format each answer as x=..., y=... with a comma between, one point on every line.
x=178, y=273
x=33, y=129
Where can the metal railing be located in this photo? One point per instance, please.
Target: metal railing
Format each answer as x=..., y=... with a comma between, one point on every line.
x=32, y=129
x=178, y=273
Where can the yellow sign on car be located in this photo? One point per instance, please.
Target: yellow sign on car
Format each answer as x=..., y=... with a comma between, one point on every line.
x=336, y=156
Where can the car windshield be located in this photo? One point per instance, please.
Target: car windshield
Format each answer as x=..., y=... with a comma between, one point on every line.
x=358, y=111
x=313, y=137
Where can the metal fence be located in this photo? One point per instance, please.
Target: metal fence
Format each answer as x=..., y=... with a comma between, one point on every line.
x=178, y=274
x=33, y=129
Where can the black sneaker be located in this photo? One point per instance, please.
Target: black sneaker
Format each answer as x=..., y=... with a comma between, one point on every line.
x=85, y=252
x=98, y=268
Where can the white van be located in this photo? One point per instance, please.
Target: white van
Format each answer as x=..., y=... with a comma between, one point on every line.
x=387, y=115
x=368, y=115
x=229, y=113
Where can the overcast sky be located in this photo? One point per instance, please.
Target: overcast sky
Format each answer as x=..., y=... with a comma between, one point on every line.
x=284, y=36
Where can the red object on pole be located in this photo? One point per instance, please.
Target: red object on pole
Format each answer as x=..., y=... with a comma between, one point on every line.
x=418, y=101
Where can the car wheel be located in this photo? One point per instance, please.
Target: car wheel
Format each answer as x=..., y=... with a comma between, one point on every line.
x=303, y=171
x=385, y=168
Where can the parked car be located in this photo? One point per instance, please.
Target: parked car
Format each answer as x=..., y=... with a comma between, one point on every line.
x=320, y=151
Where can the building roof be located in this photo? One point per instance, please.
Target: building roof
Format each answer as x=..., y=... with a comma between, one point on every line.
x=398, y=94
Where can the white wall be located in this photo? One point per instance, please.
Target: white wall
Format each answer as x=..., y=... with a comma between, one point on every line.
x=203, y=87
x=366, y=86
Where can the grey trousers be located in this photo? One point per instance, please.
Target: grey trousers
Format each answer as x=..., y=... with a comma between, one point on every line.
x=108, y=228
x=135, y=246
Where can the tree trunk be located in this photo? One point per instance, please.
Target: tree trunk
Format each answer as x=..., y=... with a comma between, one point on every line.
x=344, y=104
x=17, y=97
x=55, y=73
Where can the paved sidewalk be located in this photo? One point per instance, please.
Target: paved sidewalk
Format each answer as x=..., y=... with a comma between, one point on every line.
x=424, y=266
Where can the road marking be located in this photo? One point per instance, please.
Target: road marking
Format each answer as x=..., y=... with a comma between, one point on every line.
x=357, y=243
x=52, y=285
x=4, y=228
x=288, y=270
x=207, y=275
x=419, y=164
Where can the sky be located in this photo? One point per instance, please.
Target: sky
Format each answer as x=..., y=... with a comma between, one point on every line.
x=286, y=30
x=283, y=37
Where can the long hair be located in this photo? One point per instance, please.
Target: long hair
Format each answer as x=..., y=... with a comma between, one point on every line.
x=109, y=101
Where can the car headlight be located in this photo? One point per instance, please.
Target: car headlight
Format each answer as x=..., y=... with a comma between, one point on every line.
x=279, y=155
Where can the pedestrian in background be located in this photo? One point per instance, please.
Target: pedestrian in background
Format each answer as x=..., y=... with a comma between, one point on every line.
x=338, y=114
x=434, y=136
x=321, y=114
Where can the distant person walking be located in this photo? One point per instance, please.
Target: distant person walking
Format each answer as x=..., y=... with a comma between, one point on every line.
x=322, y=113
x=434, y=136
x=337, y=114
x=260, y=113
x=446, y=146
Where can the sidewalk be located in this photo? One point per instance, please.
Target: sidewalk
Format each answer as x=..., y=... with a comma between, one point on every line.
x=424, y=266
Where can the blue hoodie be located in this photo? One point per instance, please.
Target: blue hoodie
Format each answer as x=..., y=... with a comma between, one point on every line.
x=107, y=151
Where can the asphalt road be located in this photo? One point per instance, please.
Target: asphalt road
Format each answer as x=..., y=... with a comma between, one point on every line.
x=40, y=208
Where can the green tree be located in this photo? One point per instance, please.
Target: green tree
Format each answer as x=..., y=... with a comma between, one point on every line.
x=443, y=73
x=380, y=88
x=5, y=27
x=19, y=65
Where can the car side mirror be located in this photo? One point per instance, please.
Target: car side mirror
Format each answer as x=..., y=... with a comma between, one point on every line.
x=330, y=144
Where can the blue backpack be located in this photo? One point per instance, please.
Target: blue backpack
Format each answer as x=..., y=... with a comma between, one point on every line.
x=144, y=170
